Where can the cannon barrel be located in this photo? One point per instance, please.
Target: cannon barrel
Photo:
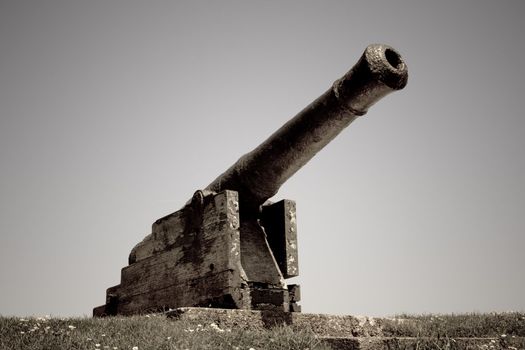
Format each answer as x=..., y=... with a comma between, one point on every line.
x=259, y=174
x=225, y=251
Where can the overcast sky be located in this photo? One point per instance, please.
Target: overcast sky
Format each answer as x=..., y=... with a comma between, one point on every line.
x=112, y=113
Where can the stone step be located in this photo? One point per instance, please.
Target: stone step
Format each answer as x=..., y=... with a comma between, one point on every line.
x=320, y=324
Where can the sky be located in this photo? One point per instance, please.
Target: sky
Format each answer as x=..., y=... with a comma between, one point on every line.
x=112, y=114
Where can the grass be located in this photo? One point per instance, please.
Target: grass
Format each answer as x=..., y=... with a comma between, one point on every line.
x=158, y=332
x=492, y=325
x=451, y=332
x=143, y=332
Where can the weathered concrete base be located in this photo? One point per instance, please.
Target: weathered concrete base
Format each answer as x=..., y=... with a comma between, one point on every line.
x=322, y=325
x=340, y=332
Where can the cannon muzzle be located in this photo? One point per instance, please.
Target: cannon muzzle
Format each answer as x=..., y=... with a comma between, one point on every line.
x=259, y=174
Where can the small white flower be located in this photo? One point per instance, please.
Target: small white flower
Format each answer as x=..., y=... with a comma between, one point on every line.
x=115, y=348
x=251, y=349
x=216, y=327
x=22, y=332
x=168, y=338
x=71, y=327
x=503, y=335
x=97, y=345
x=103, y=335
x=135, y=348
x=89, y=339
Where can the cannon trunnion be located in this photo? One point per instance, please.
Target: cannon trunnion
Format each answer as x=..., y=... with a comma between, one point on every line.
x=229, y=247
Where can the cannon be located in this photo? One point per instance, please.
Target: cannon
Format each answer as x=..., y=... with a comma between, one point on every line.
x=229, y=246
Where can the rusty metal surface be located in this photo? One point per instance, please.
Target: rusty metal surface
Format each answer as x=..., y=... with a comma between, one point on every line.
x=259, y=174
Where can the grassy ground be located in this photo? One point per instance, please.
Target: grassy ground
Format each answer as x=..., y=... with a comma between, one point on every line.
x=492, y=325
x=504, y=331
x=158, y=332
x=139, y=333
